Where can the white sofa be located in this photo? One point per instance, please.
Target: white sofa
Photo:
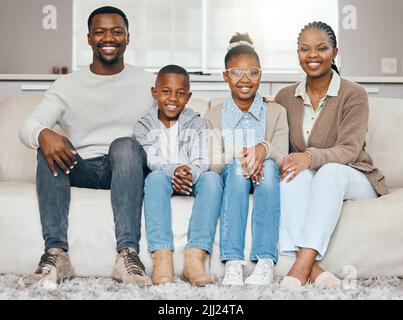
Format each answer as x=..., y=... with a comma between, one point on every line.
x=369, y=236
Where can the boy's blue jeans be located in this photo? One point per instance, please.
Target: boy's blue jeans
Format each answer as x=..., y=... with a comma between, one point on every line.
x=122, y=171
x=203, y=221
x=265, y=214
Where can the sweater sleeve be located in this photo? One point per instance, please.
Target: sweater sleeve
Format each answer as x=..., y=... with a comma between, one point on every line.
x=45, y=116
x=351, y=135
x=199, y=151
x=147, y=138
x=277, y=148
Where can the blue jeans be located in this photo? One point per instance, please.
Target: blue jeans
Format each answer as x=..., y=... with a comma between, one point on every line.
x=265, y=214
x=122, y=171
x=203, y=221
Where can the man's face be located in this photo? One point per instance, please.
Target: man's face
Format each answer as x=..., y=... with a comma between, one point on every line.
x=108, y=38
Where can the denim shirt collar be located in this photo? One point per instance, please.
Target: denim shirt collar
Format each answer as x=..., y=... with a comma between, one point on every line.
x=236, y=114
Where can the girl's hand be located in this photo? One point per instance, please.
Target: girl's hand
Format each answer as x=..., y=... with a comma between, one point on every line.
x=252, y=162
x=294, y=164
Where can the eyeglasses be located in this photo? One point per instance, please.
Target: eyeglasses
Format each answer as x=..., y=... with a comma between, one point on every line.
x=237, y=73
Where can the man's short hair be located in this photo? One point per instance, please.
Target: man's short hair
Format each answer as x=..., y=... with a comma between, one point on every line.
x=107, y=9
x=173, y=68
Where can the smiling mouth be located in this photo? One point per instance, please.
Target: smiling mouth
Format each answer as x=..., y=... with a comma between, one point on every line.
x=314, y=65
x=245, y=89
x=171, y=107
x=108, y=49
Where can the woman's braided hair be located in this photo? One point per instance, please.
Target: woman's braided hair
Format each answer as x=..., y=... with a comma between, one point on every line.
x=328, y=30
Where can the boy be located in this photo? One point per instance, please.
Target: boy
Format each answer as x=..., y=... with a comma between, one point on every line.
x=175, y=141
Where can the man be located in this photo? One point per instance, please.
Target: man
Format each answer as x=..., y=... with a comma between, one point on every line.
x=97, y=107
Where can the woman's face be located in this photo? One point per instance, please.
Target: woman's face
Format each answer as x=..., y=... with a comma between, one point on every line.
x=243, y=89
x=315, y=52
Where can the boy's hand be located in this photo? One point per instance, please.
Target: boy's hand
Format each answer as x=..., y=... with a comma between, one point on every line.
x=182, y=180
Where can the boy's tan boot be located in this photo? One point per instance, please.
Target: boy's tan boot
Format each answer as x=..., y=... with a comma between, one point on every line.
x=163, y=267
x=193, y=270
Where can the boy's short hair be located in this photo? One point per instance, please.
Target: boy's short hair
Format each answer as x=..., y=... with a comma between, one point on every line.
x=107, y=9
x=173, y=68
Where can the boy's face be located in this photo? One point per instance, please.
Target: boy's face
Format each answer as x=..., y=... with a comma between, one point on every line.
x=171, y=93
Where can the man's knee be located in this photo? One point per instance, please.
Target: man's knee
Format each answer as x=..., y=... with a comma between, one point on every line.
x=127, y=149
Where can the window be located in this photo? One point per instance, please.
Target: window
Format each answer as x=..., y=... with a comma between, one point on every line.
x=195, y=33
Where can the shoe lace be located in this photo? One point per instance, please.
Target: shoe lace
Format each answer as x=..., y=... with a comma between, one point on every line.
x=48, y=261
x=234, y=270
x=263, y=268
x=132, y=263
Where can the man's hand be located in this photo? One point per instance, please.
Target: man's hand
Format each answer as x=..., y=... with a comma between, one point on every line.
x=294, y=164
x=252, y=160
x=56, y=148
x=182, y=180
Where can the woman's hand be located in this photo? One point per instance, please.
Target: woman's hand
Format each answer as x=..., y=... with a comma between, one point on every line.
x=182, y=180
x=294, y=164
x=252, y=160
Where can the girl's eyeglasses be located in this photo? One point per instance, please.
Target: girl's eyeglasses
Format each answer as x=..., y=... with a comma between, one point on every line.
x=237, y=73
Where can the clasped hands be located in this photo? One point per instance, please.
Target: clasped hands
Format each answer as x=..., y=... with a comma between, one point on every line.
x=182, y=180
x=252, y=162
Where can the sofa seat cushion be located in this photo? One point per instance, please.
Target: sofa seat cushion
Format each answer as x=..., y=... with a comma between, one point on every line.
x=367, y=236
x=91, y=230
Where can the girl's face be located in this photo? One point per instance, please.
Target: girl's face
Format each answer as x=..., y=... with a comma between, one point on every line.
x=245, y=82
x=316, y=53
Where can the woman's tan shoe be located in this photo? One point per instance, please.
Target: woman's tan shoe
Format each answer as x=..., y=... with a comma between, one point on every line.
x=193, y=270
x=163, y=267
x=326, y=280
x=292, y=283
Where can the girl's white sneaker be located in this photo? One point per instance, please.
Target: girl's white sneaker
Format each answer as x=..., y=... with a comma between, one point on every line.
x=262, y=275
x=233, y=273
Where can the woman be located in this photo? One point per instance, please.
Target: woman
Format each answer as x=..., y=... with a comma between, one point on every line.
x=251, y=139
x=327, y=164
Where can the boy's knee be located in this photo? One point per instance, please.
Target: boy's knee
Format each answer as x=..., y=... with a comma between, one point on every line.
x=156, y=176
x=211, y=180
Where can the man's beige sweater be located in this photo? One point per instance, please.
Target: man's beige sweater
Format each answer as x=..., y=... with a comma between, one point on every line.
x=339, y=133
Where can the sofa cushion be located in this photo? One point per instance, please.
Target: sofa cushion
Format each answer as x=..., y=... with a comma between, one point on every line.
x=367, y=236
x=384, y=138
x=18, y=162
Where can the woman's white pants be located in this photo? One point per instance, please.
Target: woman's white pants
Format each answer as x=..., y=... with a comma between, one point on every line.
x=311, y=205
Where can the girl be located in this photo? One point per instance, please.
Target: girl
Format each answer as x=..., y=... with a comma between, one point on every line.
x=328, y=120
x=249, y=141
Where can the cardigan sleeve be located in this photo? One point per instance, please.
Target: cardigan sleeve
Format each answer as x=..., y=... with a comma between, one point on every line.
x=351, y=134
x=219, y=156
x=277, y=147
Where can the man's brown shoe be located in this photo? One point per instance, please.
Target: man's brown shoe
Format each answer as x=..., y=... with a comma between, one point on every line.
x=54, y=267
x=129, y=269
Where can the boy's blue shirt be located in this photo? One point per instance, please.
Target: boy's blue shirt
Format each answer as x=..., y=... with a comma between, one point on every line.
x=192, y=140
